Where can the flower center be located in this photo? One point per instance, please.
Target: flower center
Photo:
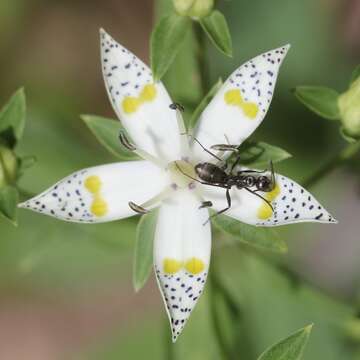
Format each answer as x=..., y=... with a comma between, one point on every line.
x=181, y=173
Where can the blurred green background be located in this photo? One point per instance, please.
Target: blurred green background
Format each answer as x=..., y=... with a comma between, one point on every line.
x=66, y=289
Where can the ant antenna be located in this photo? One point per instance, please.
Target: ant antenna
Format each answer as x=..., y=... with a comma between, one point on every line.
x=273, y=180
x=261, y=197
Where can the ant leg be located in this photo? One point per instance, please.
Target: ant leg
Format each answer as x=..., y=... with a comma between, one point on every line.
x=137, y=208
x=228, y=199
x=205, y=204
x=236, y=163
x=204, y=148
x=261, y=197
x=253, y=171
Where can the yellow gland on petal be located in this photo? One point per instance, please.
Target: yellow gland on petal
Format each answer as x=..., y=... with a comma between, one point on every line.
x=172, y=266
x=265, y=211
x=233, y=97
x=93, y=184
x=131, y=104
x=194, y=266
x=148, y=93
x=99, y=206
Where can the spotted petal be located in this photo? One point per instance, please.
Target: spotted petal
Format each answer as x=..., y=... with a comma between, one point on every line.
x=182, y=255
x=101, y=193
x=141, y=104
x=241, y=103
x=291, y=203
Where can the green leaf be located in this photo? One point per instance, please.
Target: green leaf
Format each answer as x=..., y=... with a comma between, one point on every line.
x=322, y=101
x=143, y=259
x=107, y=132
x=346, y=136
x=259, y=154
x=355, y=74
x=204, y=102
x=261, y=237
x=216, y=28
x=166, y=41
x=12, y=118
x=291, y=348
x=9, y=198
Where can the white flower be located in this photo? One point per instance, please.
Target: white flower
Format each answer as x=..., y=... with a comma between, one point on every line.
x=182, y=242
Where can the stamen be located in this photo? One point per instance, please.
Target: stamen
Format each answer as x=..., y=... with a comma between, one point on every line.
x=184, y=143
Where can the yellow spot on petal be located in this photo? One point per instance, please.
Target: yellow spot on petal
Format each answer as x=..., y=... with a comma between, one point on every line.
x=148, y=93
x=265, y=211
x=250, y=110
x=194, y=266
x=99, y=207
x=233, y=97
x=130, y=104
x=172, y=266
x=93, y=184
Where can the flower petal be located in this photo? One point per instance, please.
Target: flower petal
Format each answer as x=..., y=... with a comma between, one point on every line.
x=101, y=193
x=241, y=103
x=182, y=255
x=291, y=204
x=141, y=104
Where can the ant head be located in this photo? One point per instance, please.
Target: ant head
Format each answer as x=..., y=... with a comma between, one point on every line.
x=263, y=183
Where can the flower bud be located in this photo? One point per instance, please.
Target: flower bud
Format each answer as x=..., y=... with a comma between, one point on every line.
x=349, y=106
x=193, y=8
x=8, y=166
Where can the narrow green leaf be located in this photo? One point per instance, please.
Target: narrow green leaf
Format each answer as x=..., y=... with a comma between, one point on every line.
x=143, y=259
x=204, y=102
x=261, y=237
x=291, y=348
x=9, y=198
x=259, y=154
x=107, y=132
x=355, y=74
x=166, y=41
x=12, y=118
x=322, y=101
x=216, y=28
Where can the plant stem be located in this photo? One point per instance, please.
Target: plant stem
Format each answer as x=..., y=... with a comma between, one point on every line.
x=342, y=157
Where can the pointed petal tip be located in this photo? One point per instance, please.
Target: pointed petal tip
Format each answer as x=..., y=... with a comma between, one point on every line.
x=334, y=221
x=22, y=205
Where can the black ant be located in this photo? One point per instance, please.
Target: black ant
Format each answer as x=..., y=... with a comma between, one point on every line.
x=214, y=175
